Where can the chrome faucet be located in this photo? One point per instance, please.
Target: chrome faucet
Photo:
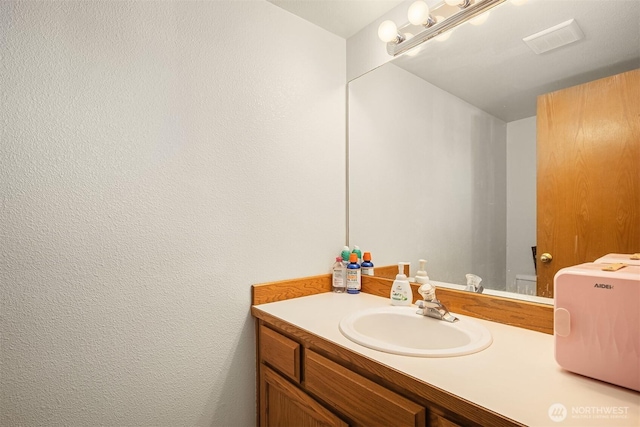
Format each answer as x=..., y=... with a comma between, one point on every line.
x=430, y=306
x=473, y=283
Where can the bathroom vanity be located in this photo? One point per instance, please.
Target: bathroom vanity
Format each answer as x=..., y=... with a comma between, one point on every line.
x=310, y=374
x=308, y=379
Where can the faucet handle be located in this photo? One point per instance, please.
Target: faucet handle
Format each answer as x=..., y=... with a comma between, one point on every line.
x=428, y=292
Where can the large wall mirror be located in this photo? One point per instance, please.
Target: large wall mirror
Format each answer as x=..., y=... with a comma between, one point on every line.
x=442, y=140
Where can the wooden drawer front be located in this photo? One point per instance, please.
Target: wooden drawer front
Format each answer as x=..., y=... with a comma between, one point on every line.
x=280, y=352
x=361, y=400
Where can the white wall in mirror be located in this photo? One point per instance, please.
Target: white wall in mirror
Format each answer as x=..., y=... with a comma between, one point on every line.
x=400, y=123
x=422, y=162
x=521, y=202
x=492, y=69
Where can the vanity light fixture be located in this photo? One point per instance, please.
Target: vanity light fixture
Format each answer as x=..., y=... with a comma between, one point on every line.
x=460, y=3
x=444, y=36
x=480, y=19
x=418, y=14
x=388, y=32
x=421, y=23
x=415, y=50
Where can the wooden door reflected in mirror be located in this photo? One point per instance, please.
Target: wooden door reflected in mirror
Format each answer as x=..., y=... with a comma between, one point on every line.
x=588, y=173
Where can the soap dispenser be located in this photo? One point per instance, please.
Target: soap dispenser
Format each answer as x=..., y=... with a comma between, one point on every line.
x=401, y=290
x=421, y=275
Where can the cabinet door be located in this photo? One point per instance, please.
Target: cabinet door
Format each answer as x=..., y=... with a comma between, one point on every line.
x=436, y=420
x=282, y=404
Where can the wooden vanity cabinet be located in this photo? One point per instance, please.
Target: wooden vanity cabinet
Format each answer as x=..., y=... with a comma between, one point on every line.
x=356, y=397
x=299, y=386
x=284, y=404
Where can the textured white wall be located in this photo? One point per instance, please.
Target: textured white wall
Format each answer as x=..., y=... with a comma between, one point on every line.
x=521, y=198
x=153, y=167
x=427, y=178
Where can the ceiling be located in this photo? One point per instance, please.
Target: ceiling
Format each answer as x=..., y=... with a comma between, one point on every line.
x=490, y=66
x=341, y=17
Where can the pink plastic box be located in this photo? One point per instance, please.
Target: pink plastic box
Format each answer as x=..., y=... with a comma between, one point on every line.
x=597, y=323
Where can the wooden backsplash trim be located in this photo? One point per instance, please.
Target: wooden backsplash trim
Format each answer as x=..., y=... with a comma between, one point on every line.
x=389, y=271
x=523, y=314
x=304, y=286
x=287, y=289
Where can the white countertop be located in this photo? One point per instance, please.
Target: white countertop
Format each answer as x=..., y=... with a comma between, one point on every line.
x=517, y=376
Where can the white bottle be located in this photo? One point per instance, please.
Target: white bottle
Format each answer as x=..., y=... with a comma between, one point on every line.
x=345, y=261
x=401, y=290
x=338, y=280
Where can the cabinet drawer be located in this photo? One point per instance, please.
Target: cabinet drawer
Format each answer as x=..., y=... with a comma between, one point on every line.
x=438, y=421
x=359, y=399
x=280, y=352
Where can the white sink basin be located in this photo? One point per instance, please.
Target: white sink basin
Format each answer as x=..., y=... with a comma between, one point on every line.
x=399, y=330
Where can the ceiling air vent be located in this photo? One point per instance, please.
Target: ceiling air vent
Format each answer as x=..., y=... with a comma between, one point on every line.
x=554, y=37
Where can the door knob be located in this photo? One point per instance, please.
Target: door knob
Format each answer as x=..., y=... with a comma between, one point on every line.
x=546, y=257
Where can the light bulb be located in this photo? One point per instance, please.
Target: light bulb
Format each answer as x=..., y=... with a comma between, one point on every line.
x=480, y=19
x=453, y=2
x=418, y=13
x=388, y=32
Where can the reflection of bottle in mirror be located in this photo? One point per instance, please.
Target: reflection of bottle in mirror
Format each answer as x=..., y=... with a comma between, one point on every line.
x=367, y=265
x=354, y=280
x=338, y=284
x=421, y=276
x=357, y=251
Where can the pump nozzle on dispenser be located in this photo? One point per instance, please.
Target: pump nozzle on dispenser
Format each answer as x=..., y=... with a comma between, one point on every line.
x=401, y=290
x=401, y=270
x=421, y=275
